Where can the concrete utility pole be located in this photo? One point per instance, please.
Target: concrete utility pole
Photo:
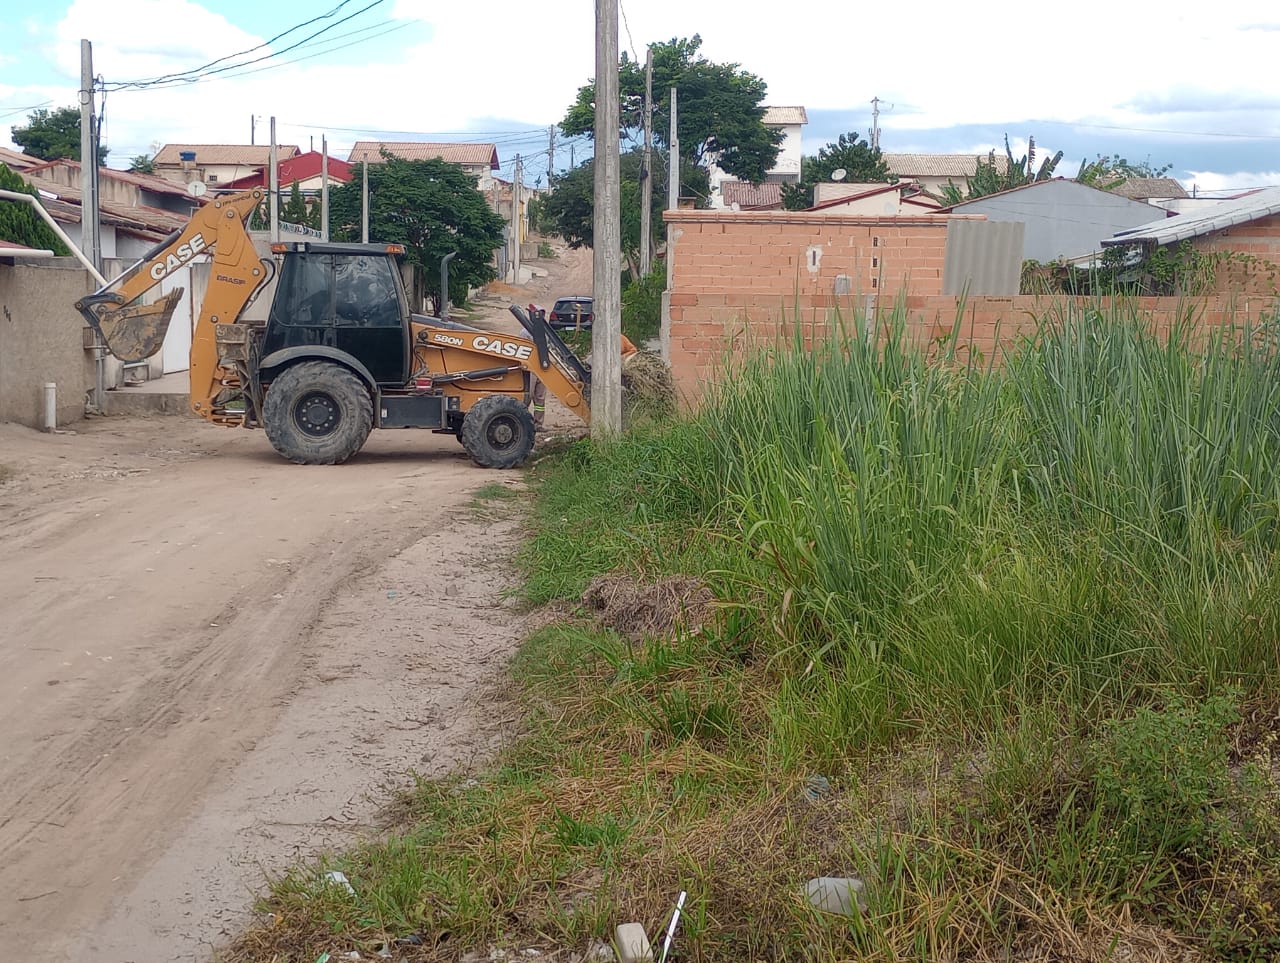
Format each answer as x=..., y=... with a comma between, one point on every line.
x=606, y=333
x=673, y=201
x=875, y=123
x=515, y=223
x=324, y=188
x=90, y=217
x=572, y=147
x=364, y=204
x=273, y=179
x=646, y=172
x=551, y=157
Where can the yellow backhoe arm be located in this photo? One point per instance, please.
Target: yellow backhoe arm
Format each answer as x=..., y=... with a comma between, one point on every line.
x=134, y=331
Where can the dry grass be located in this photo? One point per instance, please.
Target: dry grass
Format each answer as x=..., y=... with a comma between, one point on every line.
x=659, y=610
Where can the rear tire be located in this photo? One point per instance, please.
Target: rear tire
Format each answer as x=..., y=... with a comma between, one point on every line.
x=498, y=432
x=317, y=413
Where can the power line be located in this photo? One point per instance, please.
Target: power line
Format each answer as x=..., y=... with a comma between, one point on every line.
x=1155, y=130
x=203, y=72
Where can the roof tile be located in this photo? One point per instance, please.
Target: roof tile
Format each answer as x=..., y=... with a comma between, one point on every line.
x=468, y=155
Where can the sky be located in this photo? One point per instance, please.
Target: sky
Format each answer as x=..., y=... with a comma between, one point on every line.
x=1179, y=83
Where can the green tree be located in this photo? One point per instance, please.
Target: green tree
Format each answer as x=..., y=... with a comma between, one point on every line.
x=989, y=179
x=19, y=223
x=51, y=135
x=861, y=163
x=142, y=164
x=719, y=109
x=295, y=208
x=570, y=211
x=430, y=207
x=1108, y=172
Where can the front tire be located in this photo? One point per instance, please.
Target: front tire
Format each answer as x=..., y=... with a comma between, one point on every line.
x=317, y=413
x=498, y=432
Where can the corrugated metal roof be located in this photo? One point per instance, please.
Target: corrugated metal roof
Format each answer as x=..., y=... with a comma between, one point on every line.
x=942, y=165
x=1180, y=227
x=246, y=155
x=467, y=155
x=782, y=116
x=1141, y=188
x=751, y=197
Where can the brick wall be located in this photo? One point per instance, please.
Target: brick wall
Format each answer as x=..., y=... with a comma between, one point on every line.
x=1254, y=263
x=745, y=276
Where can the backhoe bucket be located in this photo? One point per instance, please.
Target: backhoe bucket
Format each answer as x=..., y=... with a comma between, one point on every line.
x=134, y=332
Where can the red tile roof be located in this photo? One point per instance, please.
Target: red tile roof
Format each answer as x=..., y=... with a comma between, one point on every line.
x=752, y=197
x=148, y=182
x=467, y=155
x=300, y=168
x=247, y=155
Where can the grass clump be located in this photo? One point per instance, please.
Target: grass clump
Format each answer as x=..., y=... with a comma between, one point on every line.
x=1022, y=620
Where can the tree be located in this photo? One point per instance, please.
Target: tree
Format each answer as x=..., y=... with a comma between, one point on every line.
x=988, y=179
x=430, y=207
x=53, y=135
x=569, y=212
x=19, y=223
x=861, y=163
x=295, y=208
x=1108, y=172
x=719, y=110
x=142, y=164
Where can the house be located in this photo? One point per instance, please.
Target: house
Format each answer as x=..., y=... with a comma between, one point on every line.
x=215, y=164
x=119, y=189
x=305, y=168
x=480, y=160
x=18, y=161
x=785, y=170
x=1063, y=219
x=1244, y=230
x=841, y=197
x=1153, y=190
x=743, y=196
x=934, y=171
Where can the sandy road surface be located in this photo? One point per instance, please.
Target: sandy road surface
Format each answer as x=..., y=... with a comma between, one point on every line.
x=209, y=658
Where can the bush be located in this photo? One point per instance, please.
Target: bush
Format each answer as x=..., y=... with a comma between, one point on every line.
x=642, y=307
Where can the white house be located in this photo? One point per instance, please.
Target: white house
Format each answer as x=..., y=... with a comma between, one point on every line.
x=786, y=169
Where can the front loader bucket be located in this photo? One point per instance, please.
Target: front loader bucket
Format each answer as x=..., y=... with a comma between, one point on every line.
x=133, y=332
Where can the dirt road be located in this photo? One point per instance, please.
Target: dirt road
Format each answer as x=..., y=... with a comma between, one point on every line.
x=210, y=659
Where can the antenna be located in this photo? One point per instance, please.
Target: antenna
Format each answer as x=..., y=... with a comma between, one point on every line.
x=839, y=174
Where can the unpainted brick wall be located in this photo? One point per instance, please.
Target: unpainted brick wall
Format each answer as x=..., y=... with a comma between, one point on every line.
x=742, y=278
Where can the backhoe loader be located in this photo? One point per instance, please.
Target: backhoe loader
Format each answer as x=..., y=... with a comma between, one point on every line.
x=340, y=352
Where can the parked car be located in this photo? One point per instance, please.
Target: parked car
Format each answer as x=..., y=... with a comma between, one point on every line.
x=572, y=313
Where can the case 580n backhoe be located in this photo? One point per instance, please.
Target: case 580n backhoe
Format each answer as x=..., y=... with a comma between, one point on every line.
x=340, y=352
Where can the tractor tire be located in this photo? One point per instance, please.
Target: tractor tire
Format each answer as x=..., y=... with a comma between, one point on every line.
x=498, y=432
x=317, y=413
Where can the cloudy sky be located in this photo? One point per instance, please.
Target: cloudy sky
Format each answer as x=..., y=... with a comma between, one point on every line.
x=1182, y=83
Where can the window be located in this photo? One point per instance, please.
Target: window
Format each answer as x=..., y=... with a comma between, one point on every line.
x=365, y=292
x=212, y=178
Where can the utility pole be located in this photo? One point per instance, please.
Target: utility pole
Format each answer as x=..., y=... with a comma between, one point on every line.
x=572, y=163
x=324, y=188
x=673, y=202
x=253, y=129
x=551, y=156
x=606, y=334
x=515, y=224
x=875, y=123
x=364, y=204
x=90, y=224
x=646, y=174
x=274, y=183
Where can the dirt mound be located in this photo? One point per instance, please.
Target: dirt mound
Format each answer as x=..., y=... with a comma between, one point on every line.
x=647, y=611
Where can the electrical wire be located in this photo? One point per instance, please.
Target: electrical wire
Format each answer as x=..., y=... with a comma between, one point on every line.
x=204, y=72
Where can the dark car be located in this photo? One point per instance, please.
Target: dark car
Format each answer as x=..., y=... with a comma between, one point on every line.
x=572, y=313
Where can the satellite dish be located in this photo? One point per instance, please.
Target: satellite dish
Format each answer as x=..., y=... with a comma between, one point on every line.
x=839, y=174
x=196, y=188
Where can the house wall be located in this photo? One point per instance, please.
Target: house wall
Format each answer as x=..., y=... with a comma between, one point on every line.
x=1254, y=266
x=42, y=340
x=786, y=168
x=1063, y=219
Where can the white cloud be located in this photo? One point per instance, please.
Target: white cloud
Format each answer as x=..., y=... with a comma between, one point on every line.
x=1214, y=181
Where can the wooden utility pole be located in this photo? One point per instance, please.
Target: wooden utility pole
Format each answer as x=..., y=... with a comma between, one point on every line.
x=646, y=170
x=606, y=332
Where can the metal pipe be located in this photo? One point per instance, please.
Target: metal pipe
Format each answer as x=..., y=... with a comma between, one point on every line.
x=53, y=225
x=50, y=406
x=444, y=285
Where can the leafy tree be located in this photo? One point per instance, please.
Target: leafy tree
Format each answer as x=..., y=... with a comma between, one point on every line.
x=19, y=223
x=295, y=208
x=142, y=164
x=1108, y=172
x=53, y=135
x=432, y=208
x=570, y=211
x=862, y=163
x=719, y=109
x=988, y=179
